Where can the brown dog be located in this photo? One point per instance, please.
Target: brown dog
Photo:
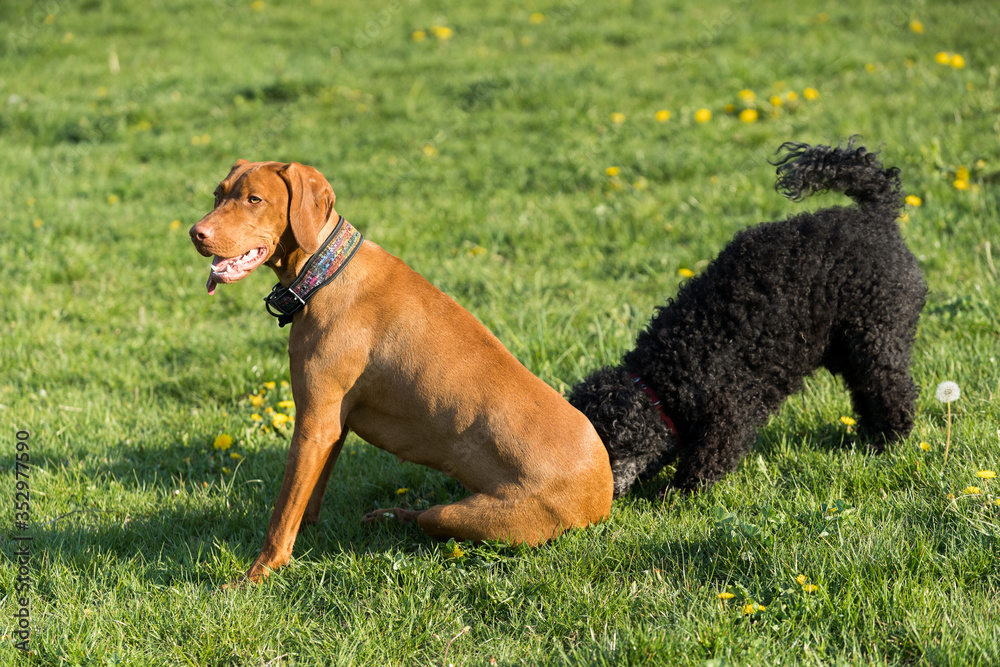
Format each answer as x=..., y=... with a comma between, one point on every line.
x=382, y=352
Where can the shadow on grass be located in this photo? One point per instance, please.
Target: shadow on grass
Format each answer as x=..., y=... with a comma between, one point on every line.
x=173, y=519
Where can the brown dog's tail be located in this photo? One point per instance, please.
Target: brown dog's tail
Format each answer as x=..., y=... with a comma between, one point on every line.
x=804, y=170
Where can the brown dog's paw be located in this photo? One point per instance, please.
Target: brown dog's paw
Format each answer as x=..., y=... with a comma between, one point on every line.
x=403, y=516
x=255, y=575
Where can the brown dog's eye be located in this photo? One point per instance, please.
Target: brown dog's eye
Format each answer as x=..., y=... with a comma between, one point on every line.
x=254, y=199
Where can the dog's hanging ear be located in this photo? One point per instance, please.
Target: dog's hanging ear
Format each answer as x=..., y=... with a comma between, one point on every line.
x=310, y=202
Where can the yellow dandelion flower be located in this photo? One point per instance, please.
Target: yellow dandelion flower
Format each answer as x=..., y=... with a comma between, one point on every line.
x=961, y=184
x=962, y=173
x=284, y=384
x=997, y=502
x=810, y=588
x=904, y=217
x=269, y=410
x=236, y=456
x=401, y=491
x=612, y=171
x=50, y=19
x=703, y=115
x=67, y=38
x=36, y=223
x=869, y=67
x=223, y=442
x=429, y=150
x=687, y=273
x=914, y=200
x=112, y=199
x=286, y=404
x=257, y=5
x=776, y=101
x=418, y=36
x=747, y=95
x=269, y=385
x=256, y=401
x=256, y=417
x=537, y=18
x=726, y=595
x=752, y=607
x=456, y=551
x=801, y=579
x=822, y=17
x=831, y=510
x=942, y=58
x=986, y=474
x=225, y=470
x=847, y=421
x=926, y=446
x=175, y=224
x=662, y=115
x=748, y=115
x=971, y=490
x=280, y=418
x=729, y=108
x=617, y=118
x=441, y=32
x=810, y=94
x=957, y=61
x=917, y=27
x=791, y=96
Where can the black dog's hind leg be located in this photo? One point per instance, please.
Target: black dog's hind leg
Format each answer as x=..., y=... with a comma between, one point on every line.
x=708, y=454
x=876, y=370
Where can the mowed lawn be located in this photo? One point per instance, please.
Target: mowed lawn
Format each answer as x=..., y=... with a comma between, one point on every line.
x=558, y=168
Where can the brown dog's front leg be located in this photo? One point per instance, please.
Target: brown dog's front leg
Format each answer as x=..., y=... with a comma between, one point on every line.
x=316, y=499
x=311, y=449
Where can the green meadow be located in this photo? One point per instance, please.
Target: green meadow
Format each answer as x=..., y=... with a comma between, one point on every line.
x=557, y=168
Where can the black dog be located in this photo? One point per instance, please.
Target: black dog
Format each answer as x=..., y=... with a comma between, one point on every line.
x=837, y=288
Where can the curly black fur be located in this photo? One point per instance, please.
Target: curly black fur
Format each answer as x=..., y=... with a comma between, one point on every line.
x=837, y=288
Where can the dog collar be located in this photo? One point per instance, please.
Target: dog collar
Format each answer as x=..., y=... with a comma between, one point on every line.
x=325, y=265
x=646, y=389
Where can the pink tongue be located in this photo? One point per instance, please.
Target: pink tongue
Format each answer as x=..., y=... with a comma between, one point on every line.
x=212, y=282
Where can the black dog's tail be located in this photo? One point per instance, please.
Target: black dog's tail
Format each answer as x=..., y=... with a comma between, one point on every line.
x=804, y=170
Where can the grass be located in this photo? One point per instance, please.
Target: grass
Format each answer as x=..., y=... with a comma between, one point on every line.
x=481, y=160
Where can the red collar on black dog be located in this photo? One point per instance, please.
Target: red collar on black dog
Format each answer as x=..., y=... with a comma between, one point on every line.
x=646, y=389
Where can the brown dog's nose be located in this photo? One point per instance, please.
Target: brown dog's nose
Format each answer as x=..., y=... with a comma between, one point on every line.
x=200, y=233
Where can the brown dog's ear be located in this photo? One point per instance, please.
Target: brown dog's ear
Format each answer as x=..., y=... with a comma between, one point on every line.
x=310, y=202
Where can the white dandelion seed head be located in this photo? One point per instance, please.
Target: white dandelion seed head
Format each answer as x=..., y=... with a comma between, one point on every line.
x=948, y=392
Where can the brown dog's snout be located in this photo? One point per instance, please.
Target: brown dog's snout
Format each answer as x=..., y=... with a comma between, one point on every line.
x=200, y=235
x=200, y=232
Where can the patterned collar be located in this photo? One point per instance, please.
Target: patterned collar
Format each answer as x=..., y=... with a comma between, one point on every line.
x=325, y=265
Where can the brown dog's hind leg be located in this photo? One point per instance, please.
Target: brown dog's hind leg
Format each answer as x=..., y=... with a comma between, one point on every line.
x=486, y=517
x=401, y=515
x=479, y=517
